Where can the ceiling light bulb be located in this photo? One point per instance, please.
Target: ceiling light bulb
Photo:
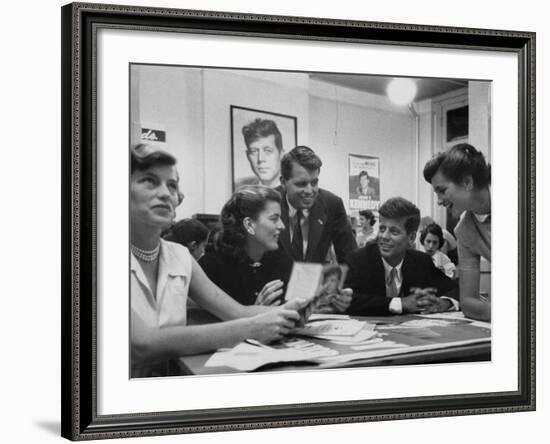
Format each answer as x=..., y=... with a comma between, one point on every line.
x=401, y=91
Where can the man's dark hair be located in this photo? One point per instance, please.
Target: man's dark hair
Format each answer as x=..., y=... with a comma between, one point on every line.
x=262, y=128
x=457, y=163
x=301, y=155
x=369, y=215
x=399, y=208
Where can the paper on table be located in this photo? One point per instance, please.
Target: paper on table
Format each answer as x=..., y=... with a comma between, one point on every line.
x=359, y=338
x=457, y=316
x=332, y=328
x=330, y=361
x=379, y=345
x=323, y=317
x=248, y=357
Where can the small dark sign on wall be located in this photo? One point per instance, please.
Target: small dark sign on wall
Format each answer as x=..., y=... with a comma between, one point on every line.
x=153, y=135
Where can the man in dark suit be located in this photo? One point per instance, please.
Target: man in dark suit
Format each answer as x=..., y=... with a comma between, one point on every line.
x=388, y=277
x=314, y=218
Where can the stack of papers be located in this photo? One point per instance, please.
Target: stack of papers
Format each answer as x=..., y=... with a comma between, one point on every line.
x=331, y=327
x=251, y=355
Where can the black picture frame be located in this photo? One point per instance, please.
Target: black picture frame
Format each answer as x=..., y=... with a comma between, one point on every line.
x=239, y=116
x=80, y=420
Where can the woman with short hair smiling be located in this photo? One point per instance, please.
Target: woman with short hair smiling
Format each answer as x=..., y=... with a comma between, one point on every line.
x=461, y=179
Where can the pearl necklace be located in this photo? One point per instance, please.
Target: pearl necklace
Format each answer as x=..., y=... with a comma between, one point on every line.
x=146, y=255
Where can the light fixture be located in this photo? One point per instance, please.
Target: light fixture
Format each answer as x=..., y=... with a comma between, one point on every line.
x=401, y=91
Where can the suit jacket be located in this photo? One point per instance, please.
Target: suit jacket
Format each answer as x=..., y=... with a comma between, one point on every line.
x=367, y=279
x=328, y=223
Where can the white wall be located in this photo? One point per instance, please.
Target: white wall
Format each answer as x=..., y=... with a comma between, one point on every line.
x=192, y=106
x=30, y=225
x=339, y=129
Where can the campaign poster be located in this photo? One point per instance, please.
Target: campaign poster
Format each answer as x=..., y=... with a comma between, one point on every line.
x=364, y=182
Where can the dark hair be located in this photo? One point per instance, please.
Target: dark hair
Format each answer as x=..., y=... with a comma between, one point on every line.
x=432, y=229
x=145, y=156
x=332, y=270
x=363, y=173
x=248, y=201
x=369, y=215
x=303, y=156
x=457, y=163
x=399, y=208
x=186, y=231
x=262, y=128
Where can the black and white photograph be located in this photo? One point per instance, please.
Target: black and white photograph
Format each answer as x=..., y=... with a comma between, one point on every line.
x=273, y=221
x=251, y=292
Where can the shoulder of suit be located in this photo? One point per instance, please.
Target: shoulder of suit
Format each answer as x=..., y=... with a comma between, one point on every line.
x=362, y=252
x=329, y=198
x=418, y=255
x=248, y=180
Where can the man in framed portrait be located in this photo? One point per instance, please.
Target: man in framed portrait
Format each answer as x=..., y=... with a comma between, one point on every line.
x=264, y=149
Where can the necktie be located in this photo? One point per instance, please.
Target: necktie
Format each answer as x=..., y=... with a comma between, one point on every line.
x=391, y=284
x=297, y=239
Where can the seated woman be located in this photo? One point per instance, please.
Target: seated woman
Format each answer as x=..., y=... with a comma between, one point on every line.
x=431, y=239
x=461, y=179
x=246, y=263
x=163, y=274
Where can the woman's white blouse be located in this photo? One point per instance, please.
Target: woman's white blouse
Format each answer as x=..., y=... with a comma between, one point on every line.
x=174, y=276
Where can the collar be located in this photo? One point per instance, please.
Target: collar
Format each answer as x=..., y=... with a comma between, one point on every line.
x=171, y=260
x=292, y=211
x=482, y=218
x=388, y=267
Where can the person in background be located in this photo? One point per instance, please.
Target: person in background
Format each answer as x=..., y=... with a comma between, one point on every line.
x=163, y=274
x=431, y=239
x=461, y=179
x=366, y=231
x=449, y=246
x=388, y=277
x=314, y=218
x=264, y=148
x=190, y=233
x=245, y=263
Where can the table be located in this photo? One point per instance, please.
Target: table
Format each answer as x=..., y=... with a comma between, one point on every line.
x=459, y=340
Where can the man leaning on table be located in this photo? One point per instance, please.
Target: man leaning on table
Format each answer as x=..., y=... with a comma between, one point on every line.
x=387, y=277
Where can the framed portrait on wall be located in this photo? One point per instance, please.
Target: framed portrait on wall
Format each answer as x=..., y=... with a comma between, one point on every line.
x=258, y=141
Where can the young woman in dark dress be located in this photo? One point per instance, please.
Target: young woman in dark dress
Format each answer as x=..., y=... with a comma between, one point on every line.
x=246, y=263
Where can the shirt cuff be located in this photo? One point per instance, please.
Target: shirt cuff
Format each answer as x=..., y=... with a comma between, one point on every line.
x=455, y=304
x=396, y=306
